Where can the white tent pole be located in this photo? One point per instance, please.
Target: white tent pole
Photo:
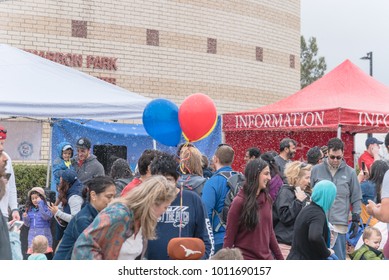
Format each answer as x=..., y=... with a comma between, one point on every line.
x=339, y=132
x=49, y=159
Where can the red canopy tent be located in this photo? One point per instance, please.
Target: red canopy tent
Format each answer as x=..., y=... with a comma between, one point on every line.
x=342, y=103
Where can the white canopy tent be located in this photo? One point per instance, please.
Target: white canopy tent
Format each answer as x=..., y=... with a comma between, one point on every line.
x=35, y=87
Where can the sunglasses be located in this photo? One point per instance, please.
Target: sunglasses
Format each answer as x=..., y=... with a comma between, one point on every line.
x=335, y=157
x=3, y=131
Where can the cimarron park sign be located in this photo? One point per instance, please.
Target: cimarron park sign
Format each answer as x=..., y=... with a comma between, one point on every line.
x=79, y=60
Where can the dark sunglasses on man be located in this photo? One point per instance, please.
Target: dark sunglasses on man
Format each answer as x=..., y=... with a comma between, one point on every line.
x=335, y=157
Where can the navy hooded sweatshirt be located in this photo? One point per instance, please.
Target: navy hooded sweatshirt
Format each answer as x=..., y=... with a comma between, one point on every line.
x=195, y=223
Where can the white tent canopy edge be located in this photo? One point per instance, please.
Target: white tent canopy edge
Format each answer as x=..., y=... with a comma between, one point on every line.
x=35, y=87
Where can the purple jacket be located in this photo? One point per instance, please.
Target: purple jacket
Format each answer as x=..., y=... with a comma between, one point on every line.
x=275, y=185
x=38, y=220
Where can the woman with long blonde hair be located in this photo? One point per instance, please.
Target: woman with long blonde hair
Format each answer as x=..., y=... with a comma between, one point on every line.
x=132, y=217
x=191, y=168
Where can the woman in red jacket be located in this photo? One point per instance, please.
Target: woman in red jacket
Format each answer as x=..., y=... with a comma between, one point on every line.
x=249, y=222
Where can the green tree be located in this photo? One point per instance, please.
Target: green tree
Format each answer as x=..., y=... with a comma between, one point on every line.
x=312, y=66
x=28, y=176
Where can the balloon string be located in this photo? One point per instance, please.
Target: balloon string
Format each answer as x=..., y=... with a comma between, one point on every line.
x=181, y=209
x=185, y=157
x=184, y=170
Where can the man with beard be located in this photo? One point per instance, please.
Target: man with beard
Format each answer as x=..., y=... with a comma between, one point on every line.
x=287, y=152
x=335, y=169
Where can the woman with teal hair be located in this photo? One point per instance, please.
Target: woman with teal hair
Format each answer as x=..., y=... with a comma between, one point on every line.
x=311, y=232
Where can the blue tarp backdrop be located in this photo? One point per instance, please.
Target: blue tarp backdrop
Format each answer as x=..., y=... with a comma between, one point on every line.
x=133, y=136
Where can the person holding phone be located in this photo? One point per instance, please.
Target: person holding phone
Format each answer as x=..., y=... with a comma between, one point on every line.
x=371, y=185
x=312, y=238
x=371, y=154
x=291, y=199
x=97, y=194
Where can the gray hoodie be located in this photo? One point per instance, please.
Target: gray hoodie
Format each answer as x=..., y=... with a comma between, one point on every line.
x=90, y=168
x=348, y=191
x=192, y=182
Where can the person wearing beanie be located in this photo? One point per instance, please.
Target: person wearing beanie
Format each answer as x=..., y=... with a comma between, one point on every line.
x=86, y=165
x=38, y=219
x=311, y=239
x=69, y=200
x=62, y=162
x=9, y=200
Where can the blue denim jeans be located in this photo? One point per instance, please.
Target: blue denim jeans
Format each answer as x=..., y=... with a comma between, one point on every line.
x=340, y=246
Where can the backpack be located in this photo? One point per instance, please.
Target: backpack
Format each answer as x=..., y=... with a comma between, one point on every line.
x=353, y=241
x=235, y=181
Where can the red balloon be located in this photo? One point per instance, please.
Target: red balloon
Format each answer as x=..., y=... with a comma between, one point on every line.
x=197, y=116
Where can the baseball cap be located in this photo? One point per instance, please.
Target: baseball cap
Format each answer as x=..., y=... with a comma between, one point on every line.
x=83, y=143
x=372, y=140
x=69, y=175
x=3, y=133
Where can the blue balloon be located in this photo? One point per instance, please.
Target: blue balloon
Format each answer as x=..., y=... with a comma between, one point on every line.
x=160, y=119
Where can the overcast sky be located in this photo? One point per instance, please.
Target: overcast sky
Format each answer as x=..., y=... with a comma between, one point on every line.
x=349, y=29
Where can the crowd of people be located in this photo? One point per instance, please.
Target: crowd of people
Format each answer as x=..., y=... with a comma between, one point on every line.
x=276, y=208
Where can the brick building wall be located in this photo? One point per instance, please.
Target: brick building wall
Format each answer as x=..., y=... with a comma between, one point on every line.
x=243, y=54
